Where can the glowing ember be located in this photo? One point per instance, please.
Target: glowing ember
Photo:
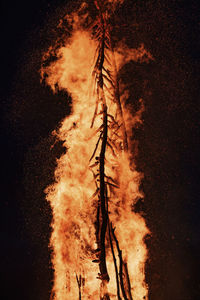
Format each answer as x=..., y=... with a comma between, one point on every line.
x=97, y=238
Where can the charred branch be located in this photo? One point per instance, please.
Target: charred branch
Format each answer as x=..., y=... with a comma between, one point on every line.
x=97, y=225
x=115, y=264
x=95, y=149
x=111, y=147
x=112, y=142
x=95, y=114
x=110, y=178
x=102, y=265
x=94, y=164
x=95, y=193
x=79, y=282
x=121, y=275
x=113, y=119
x=128, y=281
x=95, y=176
x=111, y=184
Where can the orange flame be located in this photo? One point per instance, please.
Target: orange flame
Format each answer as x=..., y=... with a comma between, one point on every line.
x=75, y=194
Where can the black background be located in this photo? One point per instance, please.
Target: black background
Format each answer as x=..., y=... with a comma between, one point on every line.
x=169, y=145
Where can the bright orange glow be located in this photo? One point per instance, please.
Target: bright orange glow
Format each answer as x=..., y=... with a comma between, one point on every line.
x=76, y=194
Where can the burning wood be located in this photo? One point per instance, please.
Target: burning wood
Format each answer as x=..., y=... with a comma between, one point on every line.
x=96, y=183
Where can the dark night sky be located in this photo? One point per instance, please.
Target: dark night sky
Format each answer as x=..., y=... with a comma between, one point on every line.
x=169, y=145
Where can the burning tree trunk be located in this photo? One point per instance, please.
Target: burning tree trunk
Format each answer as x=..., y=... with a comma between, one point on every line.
x=105, y=44
x=102, y=229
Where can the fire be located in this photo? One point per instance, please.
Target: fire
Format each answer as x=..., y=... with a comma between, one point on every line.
x=97, y=238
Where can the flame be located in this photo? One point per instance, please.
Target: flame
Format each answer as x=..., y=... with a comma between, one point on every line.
x=74, y=197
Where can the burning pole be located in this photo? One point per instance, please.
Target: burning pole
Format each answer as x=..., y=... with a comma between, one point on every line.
x=96, y=235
